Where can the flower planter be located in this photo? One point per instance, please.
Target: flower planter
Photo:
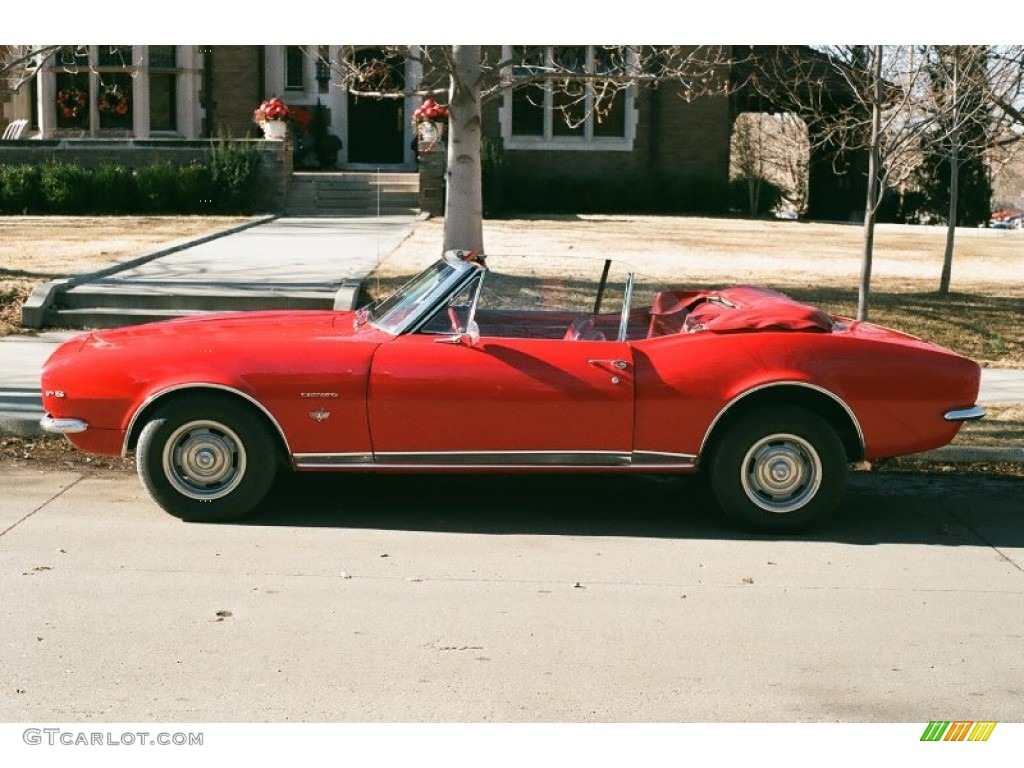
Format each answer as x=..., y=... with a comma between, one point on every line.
x=276, y=130
x=429, y=133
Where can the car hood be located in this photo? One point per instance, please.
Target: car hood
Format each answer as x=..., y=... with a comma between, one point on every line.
x=216, y=328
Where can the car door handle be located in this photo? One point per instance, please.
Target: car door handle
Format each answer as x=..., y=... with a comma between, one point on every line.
x=620, y=364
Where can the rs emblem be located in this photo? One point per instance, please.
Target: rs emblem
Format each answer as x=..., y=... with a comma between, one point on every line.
x=319, y=415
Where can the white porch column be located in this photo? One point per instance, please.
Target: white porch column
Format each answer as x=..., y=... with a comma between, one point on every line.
x=46, y=95
x=140, y=92
x=189, y=82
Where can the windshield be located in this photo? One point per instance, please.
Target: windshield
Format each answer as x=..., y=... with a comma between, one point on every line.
x=395, y=312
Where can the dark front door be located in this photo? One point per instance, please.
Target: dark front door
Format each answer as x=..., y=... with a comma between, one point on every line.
x=375, y=130
x=376, y=124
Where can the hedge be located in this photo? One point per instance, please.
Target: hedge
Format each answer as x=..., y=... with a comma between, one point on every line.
x=635, y=193
x=225, y=183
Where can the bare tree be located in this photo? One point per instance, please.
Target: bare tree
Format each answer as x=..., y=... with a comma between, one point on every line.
x=854, y=99
x=773, y=148
x=966, y=85
x=472, y=75
x=19, y=64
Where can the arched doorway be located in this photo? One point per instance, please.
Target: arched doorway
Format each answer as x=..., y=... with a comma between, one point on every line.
x=376, y=124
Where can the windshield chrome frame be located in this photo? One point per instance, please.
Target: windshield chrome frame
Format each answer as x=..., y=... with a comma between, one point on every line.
x=627, y=306
x=461, y=272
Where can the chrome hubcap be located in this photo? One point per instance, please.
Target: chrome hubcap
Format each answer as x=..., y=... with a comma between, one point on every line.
x=781, y=473
x=204, y=460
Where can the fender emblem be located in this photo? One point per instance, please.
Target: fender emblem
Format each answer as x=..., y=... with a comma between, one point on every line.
x=319, y=415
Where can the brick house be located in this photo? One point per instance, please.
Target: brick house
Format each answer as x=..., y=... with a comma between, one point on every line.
x=650, y=143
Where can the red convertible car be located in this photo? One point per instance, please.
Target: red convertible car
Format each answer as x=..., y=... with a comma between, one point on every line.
x=468, y=368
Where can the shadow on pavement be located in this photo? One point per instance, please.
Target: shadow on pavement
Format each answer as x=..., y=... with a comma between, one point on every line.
x=878, y=508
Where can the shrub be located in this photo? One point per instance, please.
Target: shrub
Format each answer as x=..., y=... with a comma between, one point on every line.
x=19, y=189
x=114, y=190
x=234, y=173
x=157, y=186
x=491, y=159
x=65, y=188
x=623, y=193
x=192, y=194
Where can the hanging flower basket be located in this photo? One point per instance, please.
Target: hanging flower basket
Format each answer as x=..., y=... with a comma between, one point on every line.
x=430, y=119
x=71, y=102
x=113, y=100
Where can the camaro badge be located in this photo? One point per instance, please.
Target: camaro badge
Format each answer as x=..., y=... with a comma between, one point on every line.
x=319, y=415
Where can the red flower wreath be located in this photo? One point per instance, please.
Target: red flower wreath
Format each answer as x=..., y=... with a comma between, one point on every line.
x=71, y=102
x=114, y=100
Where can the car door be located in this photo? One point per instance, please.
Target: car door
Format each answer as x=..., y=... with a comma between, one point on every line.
x=501, y=401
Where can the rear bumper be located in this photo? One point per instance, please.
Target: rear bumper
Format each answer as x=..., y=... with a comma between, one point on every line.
x=965, y=414
x=63, y=426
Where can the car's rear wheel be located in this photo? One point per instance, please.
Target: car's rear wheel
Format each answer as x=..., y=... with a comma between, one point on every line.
x=206, y=460
x=780, y=470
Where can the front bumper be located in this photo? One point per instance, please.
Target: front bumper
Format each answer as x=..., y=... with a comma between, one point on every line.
x=63, y=426
x=965, y=414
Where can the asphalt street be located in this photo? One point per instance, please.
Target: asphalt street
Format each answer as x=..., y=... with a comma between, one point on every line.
x=363, y=598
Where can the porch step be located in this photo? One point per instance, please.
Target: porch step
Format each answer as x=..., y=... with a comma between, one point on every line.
x=350, y=193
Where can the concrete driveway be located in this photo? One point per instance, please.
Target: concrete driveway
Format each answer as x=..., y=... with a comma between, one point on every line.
x=467, y=599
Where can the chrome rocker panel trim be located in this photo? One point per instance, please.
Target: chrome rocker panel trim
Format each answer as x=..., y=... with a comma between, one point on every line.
x=496, y=460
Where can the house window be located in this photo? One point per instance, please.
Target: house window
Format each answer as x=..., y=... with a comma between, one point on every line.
x=557, y=99
x=114, y=95
x=109, y=79
x=294, y=68
x=163, y=91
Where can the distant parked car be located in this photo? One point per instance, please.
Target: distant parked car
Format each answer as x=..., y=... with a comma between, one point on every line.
x=473, y=369
x=1006, y=219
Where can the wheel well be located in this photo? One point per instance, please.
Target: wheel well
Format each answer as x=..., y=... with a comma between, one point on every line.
x=816, y=401
x=210, y=393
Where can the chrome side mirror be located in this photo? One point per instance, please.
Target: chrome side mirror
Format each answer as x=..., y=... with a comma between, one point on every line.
x=469, y=337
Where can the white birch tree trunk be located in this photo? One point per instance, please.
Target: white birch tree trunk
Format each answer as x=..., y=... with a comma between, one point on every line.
x=874, y=191
x=954, y=195
x=463, y=211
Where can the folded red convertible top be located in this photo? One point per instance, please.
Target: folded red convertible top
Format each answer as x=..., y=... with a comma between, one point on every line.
x=741, y=308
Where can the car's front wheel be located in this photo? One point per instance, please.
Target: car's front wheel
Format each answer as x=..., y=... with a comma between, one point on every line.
x=779, y=470
x=206, y=460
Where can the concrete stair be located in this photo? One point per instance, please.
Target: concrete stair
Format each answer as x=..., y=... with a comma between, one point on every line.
x=353, y=193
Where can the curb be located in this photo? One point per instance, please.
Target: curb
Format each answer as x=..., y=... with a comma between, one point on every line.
x=33, y=311
x=963, y=454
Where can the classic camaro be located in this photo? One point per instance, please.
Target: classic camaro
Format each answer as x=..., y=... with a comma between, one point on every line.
x=469, y=368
